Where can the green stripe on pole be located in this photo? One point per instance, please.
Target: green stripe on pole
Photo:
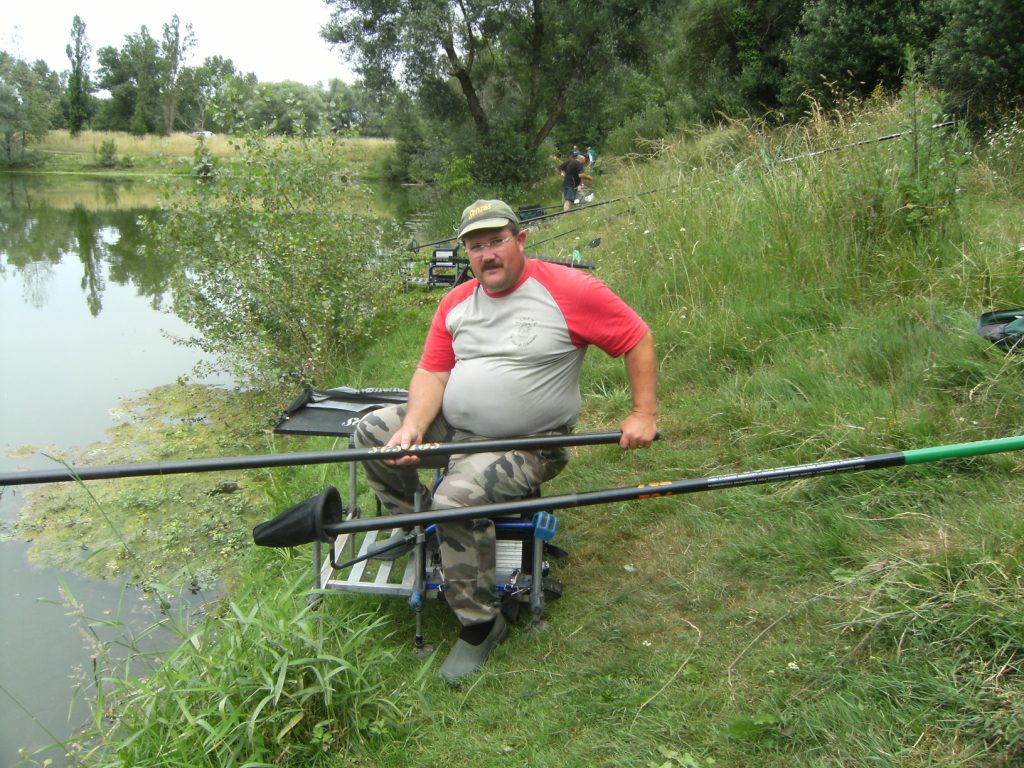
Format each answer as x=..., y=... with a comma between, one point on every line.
x=962, y=450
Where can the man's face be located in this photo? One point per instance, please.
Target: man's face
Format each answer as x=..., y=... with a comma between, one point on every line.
x=497, y=257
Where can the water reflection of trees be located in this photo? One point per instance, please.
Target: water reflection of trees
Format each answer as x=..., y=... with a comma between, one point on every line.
x=108, y=243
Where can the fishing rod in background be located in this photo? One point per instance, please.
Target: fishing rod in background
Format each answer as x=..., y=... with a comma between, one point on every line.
x=877, y=140
x=307, y=523
x=546, y=217
x=828, y=150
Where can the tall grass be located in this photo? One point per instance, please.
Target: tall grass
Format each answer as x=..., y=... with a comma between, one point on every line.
x=178, y=145
x=822, y=307
x=262, y=680
x=63, y=153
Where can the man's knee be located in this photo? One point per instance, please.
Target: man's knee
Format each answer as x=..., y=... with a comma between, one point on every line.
x=459, y=491
x=376, y=427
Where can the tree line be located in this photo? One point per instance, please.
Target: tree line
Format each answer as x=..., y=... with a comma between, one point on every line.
x=490, y=90
x=505, y=84
x=146, y=86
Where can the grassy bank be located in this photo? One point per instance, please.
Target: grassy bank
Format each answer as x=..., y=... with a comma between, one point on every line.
x=60, y=152
x=805, y=307
x=817, y=308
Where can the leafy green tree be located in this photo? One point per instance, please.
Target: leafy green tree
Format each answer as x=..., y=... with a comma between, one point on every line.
x=286, y=108
x=116, y=75
x=412, y=133
x=340, y=112
x=199, y=88
x=142, y=78
x=10, y=124
x=174, y=48
x=369, y=110
x=78, y=91
x=728, y=54
x=230, y=109
x=131, y=75
x=978, y=57
x=491, y=78
x=27, y=106
x=53, y=83
x=851, y=47
x=143, y=51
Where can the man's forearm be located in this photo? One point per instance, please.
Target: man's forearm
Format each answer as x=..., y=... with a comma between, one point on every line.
x=426, y=393
x=640, y=427
x=642, y=369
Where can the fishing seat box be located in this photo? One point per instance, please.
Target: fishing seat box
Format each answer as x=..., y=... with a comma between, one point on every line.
x=522, y=549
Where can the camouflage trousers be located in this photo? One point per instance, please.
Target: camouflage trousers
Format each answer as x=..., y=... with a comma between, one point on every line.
x=467, y=546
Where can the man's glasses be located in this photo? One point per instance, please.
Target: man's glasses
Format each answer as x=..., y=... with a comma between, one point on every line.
x=476, y=250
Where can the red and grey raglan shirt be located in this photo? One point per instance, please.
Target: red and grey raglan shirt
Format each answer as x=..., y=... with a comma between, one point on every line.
x=515, y=356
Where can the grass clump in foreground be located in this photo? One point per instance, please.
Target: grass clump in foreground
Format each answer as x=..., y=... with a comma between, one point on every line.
x=807, y=309
x=262, y=680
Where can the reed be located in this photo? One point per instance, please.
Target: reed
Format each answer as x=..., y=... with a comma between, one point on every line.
x=176, y=145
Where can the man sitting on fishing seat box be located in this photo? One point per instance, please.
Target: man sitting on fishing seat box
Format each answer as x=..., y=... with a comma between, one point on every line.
x=502, y=359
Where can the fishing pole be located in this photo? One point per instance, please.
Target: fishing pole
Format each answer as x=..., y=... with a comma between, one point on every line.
x=816, y=153
x=876, y=140
x=555, y=237
x=662, y=489
x=115, y=471
x=547, y=216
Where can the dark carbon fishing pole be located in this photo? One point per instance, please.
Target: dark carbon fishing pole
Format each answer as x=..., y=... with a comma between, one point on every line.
x=113, y=471
x=547, y=216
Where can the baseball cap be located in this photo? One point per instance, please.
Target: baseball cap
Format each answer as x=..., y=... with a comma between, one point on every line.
x=486, y=214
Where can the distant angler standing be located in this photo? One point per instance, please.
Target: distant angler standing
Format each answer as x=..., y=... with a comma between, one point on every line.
x=572, y=171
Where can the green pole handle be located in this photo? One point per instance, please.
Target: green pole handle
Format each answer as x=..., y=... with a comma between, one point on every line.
x=958, y=450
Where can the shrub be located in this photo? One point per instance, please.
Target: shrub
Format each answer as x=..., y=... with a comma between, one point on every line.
x=202, y=161
x=278, y=276
x=638, y=133
x=456, y=175
x=106, y=154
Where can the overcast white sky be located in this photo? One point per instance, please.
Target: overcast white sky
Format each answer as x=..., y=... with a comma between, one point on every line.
x=280, y=43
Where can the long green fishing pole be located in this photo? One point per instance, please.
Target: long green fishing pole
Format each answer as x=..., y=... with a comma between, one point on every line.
x=660, y=489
